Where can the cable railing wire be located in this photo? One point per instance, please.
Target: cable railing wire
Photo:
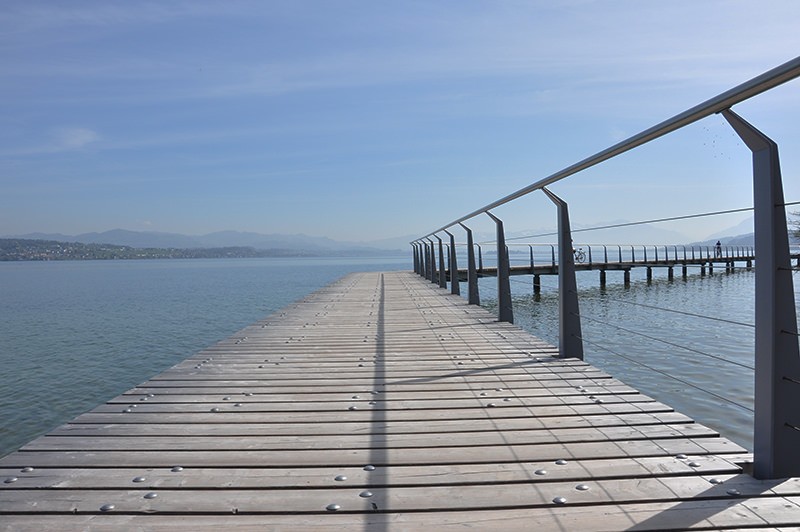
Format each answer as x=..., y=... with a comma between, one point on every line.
x=682, y=312
x=664, y=373
x=655, y=339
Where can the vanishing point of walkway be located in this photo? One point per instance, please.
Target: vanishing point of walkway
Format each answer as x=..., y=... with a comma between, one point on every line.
x=383, y=403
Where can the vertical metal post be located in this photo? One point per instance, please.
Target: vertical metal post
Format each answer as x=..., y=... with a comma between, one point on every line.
x=442, y=274
x=454, y=287
x=505, y=311
x=776, y=437
x=432, y=259
x=473, y=296
x=570, y=343
x=425, y=264
x=415, y=251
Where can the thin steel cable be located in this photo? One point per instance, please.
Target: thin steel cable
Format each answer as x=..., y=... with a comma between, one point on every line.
x=629, y=224
x=672, y=310
x=629, y=359
x=716, y=357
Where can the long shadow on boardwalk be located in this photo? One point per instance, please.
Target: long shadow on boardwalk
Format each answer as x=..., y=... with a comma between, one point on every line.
x=379, y=448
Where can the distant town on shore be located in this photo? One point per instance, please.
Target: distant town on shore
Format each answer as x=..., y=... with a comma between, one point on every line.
x=14, y=249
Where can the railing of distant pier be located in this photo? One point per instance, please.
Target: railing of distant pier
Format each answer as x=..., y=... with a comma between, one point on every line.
x=777, y=356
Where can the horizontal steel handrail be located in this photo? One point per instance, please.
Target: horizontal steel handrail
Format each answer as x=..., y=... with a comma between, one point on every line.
x=764, y=82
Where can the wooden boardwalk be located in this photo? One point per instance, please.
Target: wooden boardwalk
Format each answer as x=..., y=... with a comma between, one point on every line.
x=383, y=403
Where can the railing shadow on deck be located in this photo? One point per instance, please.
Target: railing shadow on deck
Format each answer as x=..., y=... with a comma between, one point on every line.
x=777, y=354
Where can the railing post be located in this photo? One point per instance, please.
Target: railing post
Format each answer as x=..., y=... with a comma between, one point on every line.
x=480, y=258
x=423, y=256
x=777, y=358
x=454, y=287
x=505, y=311
x=570, y=338
x=432, y=260
x=473, y=296
x=416, y=257
x=442, y=274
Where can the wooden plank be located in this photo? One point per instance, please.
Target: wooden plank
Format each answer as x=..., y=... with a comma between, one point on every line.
x=333, y=428
x=359, y=457
x=431, y=440
x=316, y=477
x=684, y=515
x=394, y=499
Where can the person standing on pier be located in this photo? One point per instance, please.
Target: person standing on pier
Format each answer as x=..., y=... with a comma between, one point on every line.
x=718, y=251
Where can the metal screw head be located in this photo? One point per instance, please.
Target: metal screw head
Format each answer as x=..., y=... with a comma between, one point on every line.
x=561, y=461
x=581, y=487
x=333, y=507
x=340, y=478
x=127, y=411
x=715, y=481
x=356, y=397
x=353, y=408
x=152, y=395
x=26, y=469
x=176, y=469
x=106, y=507
x=365, y=494
x=491, y=405
x=237, y=404
x=139, y=479
x=10, y=480
x=483, y=394
x=369, y=467
x=215, y=409
x=599, y=401
x=681, y=456
x=150, y=495
x=248, y=394
x=540, y=472
x=694, y=464
x=733, y=492
x=560, y=500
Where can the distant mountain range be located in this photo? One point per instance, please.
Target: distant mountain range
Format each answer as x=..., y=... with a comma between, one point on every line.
x=740, y=234
x=298, y=242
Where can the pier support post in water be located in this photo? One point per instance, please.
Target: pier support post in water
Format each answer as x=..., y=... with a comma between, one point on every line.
x=684, y=272
x=776, y=437
x=473, y=296
x=626, y=278
x=505, y=311
x=649, y=275
x=602, y=278
x=454, y=287
x=570, y=338
x=442, y=274
x=670, y=274
x=537, y=284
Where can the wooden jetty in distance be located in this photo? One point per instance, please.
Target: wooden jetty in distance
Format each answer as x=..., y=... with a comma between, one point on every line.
x=383, y=403
x=603, y=258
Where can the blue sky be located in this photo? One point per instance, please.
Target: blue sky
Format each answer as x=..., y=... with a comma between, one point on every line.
x=360, y=120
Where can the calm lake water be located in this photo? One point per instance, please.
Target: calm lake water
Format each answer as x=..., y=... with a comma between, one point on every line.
x=75, y=334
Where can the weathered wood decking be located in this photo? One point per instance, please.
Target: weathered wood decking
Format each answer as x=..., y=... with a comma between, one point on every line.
x=382, y=403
